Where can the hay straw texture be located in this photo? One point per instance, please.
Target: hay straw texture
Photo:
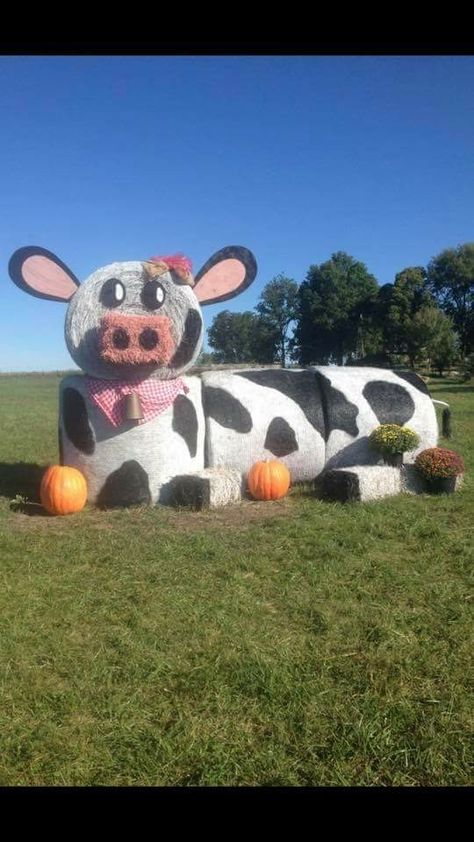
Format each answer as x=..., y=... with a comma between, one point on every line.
x=414, y=483
x=244, y=419
x=378, y=396
x=89, y=314
x=327, y=427
x=361, y=483
x=210, y=488
x=158, y=446
x=147, y=340
x=313, y=420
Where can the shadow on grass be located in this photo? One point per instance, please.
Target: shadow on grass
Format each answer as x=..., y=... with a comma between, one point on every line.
x=451, y=383
x=20, y=484
x=463, y=389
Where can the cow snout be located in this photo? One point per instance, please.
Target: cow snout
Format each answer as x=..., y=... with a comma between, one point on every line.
x=136, y=340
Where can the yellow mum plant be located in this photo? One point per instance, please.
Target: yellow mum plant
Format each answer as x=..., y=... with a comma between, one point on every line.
x=389, y=439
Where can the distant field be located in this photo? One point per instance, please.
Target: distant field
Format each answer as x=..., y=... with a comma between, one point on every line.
x=289, y=643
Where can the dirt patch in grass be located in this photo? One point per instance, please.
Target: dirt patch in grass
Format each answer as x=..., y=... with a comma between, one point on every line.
x=33, y=518
x=231, y=517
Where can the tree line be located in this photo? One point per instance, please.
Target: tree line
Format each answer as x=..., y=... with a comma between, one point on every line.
x=340, y=314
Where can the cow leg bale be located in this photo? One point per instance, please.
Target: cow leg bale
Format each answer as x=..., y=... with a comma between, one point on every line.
x=361, y=482
x=209, y=488
x=447, y=431
x=414, y=483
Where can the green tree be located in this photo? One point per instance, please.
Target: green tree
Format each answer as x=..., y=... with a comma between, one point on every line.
x=433, y=339
x=241, y=338
x=205, y=358
x=451, y=279
x=265, y=341
x=444, y=348
x=277, y=308
x=335, y=310
x=397, y=306
x=230, y=337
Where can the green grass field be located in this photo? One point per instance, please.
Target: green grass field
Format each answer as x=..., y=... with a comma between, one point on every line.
x=289, y=643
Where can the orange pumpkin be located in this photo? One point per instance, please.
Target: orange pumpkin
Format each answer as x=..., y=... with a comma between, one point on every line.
x=63, y=490
x=268, y=480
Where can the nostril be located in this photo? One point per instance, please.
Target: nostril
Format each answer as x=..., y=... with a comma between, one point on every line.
x=120, y=338
x=148, y=339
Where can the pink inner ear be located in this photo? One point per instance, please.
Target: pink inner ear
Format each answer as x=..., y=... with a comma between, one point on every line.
x=221, y=280
x=43, y=275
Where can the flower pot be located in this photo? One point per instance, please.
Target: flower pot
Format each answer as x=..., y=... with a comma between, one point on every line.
x=441, y=485
x=393, y=459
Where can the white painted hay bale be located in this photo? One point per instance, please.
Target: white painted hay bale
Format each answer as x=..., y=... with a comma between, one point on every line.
x=361, y=483
x=414, y=483
x=209, y=488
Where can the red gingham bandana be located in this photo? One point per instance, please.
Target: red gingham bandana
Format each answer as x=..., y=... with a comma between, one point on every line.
x=155, y=396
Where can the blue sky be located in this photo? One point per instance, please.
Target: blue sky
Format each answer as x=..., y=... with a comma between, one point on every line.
x=119, y=158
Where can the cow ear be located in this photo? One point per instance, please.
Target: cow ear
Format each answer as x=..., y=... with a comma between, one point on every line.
x=40, y=273
x=227, y=273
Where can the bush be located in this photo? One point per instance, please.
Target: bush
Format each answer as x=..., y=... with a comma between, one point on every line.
x=391, y=438
x=438, y=463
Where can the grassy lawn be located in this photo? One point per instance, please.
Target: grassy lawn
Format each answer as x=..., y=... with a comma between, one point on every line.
x=289, y=643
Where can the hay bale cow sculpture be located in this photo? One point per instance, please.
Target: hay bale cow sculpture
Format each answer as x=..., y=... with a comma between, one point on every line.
x=133, y=424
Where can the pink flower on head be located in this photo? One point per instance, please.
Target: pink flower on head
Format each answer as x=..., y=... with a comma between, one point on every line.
x=178, y=263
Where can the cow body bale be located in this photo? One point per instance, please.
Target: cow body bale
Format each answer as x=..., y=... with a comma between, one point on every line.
x=261, y=414
x=359, y=399
x=134, y=422
x=130, y=465
x=314, y=419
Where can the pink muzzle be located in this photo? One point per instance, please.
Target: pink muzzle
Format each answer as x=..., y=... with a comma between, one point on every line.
x=136, y=340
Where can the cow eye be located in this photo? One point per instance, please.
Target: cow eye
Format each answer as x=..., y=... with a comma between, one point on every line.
x=112, y=293
x=153, y=295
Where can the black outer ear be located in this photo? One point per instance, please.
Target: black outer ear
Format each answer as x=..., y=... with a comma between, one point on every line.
x=244, y=255
x=15, y=269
